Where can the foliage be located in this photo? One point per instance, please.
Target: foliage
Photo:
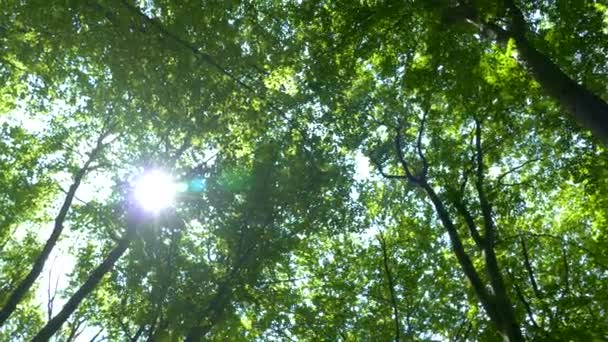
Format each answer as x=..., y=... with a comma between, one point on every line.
x=270, y=111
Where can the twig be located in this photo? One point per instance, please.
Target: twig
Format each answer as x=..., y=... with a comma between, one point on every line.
x=499, y=178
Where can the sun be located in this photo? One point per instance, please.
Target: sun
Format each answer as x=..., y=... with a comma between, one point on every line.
x=154, y=190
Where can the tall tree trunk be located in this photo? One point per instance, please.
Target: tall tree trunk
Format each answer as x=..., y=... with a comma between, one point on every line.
x=25, y=285
x=588, y=110
x=89, y=285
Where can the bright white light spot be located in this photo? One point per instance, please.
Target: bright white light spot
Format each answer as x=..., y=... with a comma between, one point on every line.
x=362, y=169
x=155, y=190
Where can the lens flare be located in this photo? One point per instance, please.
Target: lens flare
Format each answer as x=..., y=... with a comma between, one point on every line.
x=155, y=190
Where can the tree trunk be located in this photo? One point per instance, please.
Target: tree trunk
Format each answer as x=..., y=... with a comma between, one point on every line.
x=25, y=285
x=498, y=305
x=391, y=286
x=588, y=109
x=89, y=285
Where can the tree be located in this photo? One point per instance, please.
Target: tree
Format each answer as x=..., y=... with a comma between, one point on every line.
x=29, y=280
x=588, y=109
x=483, y=204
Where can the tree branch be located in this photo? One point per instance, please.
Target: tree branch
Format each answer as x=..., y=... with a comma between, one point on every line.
x=527, y=306
x=205, y=57
x=391, y=285
x=528, y=266
x=385, y=175
x=562, y=240
x=500, y=178
x=425, y=164
x=398, y=148
x=470, y=222
x=487, y=301
x=25, y=285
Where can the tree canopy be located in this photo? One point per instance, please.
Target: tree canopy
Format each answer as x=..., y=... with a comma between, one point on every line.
x=421, y=170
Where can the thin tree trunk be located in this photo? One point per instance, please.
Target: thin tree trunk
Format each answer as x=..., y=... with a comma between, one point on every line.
x=89, y=285
x=391, y=286
x=25, y=285
x=508, y=324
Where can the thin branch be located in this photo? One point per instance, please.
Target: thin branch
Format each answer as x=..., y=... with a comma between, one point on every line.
x=527, y=183
x=402, y=161
x=385, y=175
x=527, y=306
x=466, y=171
x=391, y=285
x=562, y=240
x=470, y=222
x=465, y=179
x=282, y=281
x=51, y=298
x=138, y=333
x=123, y=326
x=529, y=269
x=182, y=148
x=75, y=197
x=425, y=164
x=500, y=178
x=75, y=329
x=486, y=209
x=94, y=338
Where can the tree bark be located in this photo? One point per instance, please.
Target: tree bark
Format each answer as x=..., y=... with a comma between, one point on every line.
x=25, y=285
x=89, y=285
x=588, y=110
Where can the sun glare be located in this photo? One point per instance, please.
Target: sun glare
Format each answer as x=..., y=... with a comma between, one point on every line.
x=155, y=190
